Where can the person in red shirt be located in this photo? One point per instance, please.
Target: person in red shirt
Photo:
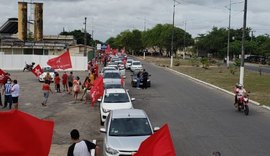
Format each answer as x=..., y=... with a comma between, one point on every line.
x=86, y=87
x=64, y=81
x=46, y=92
x=57, y=82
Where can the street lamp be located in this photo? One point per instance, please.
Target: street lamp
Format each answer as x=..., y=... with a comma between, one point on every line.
x=229, y=29
x=171, y=53
x=241, y=79
x=84, y=53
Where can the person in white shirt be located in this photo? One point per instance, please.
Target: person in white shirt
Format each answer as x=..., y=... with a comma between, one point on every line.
x=15, y=92
x=81, y=147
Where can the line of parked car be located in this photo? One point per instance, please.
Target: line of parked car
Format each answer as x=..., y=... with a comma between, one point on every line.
x=125, y=128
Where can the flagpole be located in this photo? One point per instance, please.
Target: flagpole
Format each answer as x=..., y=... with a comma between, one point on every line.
x=84, y=54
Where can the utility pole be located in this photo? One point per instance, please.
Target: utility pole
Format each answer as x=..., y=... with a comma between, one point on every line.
x=85, y=41
x=172, y=44
x=241, y=80
x=229, y=29
x=185, y=40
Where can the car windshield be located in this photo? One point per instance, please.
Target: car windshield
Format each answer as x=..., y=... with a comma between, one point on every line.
x=116, y=98
x=136, y=63
x=48, y=70
x=112, y=76
x=130, y=127
x=112, y=86
x=129, y=61
x=108, y=69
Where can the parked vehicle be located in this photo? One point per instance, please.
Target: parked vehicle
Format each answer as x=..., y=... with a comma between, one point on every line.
x=114, y=98
x=46, y=70
x=124, y=131
x=242, y=104
x=136, y=65
x=112, y=77
x=134, y=80
x=29, y=67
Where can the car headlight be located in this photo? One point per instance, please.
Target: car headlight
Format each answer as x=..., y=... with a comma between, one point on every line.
x=105, y=110
x=111, y=150
x=135, y=80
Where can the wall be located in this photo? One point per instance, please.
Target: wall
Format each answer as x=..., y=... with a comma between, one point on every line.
x=17, y=62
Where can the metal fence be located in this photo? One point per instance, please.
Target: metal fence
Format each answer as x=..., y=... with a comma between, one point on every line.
x=17, y=62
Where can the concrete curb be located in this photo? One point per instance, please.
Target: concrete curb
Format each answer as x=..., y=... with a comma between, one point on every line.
x=213, y=86
x=216, y=87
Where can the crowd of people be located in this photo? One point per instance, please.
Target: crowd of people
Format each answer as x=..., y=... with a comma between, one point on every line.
x=11, y=91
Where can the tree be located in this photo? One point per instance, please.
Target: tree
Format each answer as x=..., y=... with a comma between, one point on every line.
x=79, y=36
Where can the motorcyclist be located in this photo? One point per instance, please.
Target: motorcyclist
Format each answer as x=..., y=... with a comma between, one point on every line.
x=241, y=91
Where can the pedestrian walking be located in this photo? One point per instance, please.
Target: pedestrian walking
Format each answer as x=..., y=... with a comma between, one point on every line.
x=46, y=92
x=7, y=93
x=15, y=93
x=81, y=147
x=70, y=82
x=57, y=82
x=2, y=84
x=76, y=87
x=65, y=81
x=48, y=78
x=86, y=87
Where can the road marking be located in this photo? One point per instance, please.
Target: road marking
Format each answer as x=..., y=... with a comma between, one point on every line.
x=93, y=150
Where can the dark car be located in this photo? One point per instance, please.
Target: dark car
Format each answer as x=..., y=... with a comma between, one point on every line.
x=134, y=80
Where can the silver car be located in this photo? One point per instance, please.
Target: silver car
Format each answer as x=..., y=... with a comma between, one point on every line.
x=111, y=77
x=125, y=130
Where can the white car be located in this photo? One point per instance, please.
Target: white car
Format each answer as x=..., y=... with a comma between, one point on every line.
x=136, y=65
x=128, y=64
x=46, y=70
x=114, y=98
x=109, y=68
x=125, y=130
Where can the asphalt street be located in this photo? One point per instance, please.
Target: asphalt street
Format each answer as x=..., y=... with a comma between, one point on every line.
x=202, y=119
x=256, y=67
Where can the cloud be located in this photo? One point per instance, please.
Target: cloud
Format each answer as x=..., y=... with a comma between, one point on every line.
x=109, y=17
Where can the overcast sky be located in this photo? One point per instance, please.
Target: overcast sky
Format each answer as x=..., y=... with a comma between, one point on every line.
x=109, y=17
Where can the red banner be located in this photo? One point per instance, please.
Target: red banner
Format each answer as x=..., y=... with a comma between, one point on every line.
x=158, y=144
x=61, y=62
x=114, y=51
x=37, y=70
x=123, y=51
x=97, y=90
x=108, y=49
x=2, y=76
x=24, y=135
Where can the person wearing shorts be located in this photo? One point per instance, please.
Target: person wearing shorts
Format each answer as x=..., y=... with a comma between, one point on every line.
x=15, y=92
x=70, y=82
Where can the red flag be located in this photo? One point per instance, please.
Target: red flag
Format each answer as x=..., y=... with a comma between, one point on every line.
x=108, y=49
x=37, y=71
x=2, y=76
x=158, y=144
x=123, y=51
x=61, y=62
x=97, y=90
x=115, y=51
x=24, y=135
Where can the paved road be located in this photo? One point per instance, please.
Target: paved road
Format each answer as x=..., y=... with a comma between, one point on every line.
x=202, y=119
x=256, y=67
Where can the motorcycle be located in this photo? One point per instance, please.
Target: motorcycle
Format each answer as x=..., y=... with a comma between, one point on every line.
x=242, y=104
x=28, y=67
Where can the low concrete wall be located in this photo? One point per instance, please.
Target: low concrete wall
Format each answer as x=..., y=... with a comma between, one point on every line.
x=17, y=62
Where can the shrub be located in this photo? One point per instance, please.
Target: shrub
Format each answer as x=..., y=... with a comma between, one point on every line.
x=205, y=62
x=195, y=61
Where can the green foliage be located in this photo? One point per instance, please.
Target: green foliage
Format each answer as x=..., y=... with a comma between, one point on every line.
x=237, y=62
x=205, y=62
x=158, y=38
x=232, y=69
x=79, y=36
x=195, y=61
